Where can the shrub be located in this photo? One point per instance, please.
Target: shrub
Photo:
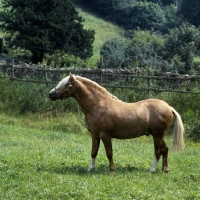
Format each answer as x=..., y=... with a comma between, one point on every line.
x=183, y=41
x=113, y=53
x=195, y=133
x=146, y=48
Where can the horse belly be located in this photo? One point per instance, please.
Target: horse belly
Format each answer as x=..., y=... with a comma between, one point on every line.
x=129, y=131
x=129, y=123
x=127, y=135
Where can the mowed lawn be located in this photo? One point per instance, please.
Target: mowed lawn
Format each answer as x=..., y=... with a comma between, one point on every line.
x=40, y=163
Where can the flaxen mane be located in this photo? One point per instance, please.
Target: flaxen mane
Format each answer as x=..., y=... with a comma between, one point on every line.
x=96, y=87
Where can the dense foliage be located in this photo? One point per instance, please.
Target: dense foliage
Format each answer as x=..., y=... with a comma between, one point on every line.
x=183, y=41
x=145, y=15
x=189, y=10
x=45, y=26
x=168, y=30
x=158, y=34
x=174, y=52
x=131, y=14
x=113, y=53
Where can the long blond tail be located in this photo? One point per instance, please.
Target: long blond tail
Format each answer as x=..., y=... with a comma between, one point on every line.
x=178, y=139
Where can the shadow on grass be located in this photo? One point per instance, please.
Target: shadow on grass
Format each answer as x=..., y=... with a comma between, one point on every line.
x=82, y=170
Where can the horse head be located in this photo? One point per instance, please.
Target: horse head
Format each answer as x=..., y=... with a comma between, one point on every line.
x=64, y=89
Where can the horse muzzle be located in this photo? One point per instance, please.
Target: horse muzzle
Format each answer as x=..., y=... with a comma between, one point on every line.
x=52, y=96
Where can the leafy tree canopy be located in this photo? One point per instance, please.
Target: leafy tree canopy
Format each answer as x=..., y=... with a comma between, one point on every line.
x=146, y=48
x=113, y=53
x=143, y=50
x=131, y=14
x=44, y=25
x=190, y=11
x=183, y=41
x=164, y=2
x=171, y=19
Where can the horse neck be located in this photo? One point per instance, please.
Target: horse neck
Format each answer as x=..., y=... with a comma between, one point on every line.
x=89, y=94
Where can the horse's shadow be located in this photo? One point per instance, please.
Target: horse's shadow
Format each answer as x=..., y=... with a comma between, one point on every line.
x=83, y=171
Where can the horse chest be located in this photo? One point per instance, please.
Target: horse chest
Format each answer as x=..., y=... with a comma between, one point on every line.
x=98, y=122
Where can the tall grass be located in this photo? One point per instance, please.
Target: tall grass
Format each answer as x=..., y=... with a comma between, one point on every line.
x=21, y=98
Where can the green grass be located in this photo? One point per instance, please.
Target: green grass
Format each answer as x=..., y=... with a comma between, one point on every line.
x=41, y=162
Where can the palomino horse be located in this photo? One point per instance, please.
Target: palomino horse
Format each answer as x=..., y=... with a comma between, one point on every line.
x=107, y=118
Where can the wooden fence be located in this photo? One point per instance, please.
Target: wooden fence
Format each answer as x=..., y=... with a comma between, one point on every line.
x=137, y=79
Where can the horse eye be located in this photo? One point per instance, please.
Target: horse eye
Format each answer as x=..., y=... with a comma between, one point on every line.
x=57, y=92
x=67, y=84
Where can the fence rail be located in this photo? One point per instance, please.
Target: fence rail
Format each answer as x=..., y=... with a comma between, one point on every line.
x=137, y=79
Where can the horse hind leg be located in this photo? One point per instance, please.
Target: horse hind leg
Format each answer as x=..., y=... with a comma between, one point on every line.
x=160, y=149
x=164, y=153
x=108, y=147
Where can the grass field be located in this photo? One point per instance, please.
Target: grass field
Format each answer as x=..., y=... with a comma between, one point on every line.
x=40, y=162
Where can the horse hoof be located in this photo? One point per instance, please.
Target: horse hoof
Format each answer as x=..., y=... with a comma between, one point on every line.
x=90, y=169
x=152, y=172
x=165, y=171
x=112, y=169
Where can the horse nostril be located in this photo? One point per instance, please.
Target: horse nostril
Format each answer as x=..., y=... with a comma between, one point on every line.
x=50, y=95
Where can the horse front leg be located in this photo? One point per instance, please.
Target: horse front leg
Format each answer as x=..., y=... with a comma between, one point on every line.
x=108, y=147
x=94, y=152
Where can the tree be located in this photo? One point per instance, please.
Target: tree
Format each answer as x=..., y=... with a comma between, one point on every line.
x=164, y=2
x=172, y=20
x=145, y=15
x=44, y=26
x=190, y=11
x=146, y=49
x=184, y=42
x=113, y=53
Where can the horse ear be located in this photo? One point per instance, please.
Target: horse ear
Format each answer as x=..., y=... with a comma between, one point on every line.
x=71, y=78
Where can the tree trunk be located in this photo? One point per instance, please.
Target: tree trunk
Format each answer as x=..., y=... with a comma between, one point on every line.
x=37, y=57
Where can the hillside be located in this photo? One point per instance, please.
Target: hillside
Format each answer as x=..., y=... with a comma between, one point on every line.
x=103, y=31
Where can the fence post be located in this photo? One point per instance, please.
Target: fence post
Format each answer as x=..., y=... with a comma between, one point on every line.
x=101, y=74
x=46, y=77
x=1, y=45
x=148, y=83
x=13, y=69
x=101, y=62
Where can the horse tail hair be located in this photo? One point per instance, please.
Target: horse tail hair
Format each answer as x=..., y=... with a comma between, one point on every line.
x=178, y=139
